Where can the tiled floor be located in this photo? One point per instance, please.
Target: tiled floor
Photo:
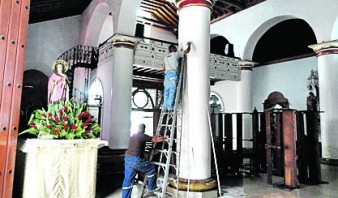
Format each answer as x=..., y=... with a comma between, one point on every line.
x=233, y=187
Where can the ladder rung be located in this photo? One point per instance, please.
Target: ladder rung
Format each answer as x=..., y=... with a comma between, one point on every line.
x=166, y=151
x=167, y=125
x=163, y=164
x=171, y=178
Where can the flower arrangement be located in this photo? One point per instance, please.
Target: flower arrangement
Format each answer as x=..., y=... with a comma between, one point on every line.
x=63, y=120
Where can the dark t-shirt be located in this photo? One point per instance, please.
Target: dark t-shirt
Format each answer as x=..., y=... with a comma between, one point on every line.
x=137, y=144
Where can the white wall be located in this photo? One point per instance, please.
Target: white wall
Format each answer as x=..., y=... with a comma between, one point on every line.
x=107, y=29
x=243, y=29
x=46, y=41
x=289, y=78
x=227, y=90
x=104, y=73
x=158, y=33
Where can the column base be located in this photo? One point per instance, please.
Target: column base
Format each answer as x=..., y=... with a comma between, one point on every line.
x=195, y=185
x=184, y=193
x=327, y=161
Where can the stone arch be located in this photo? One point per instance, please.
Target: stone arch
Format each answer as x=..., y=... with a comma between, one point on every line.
x=40, y=66
x=334, y=34
x=92, y=22
x=256, y=35
x=124, y=19
x=218, y=45
x=288, y=38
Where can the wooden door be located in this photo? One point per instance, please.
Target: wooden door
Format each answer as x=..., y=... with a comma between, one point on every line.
x=13, y=35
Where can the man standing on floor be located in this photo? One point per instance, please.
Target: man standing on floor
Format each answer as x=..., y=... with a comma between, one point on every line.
x=170, y=66
x=134, y=162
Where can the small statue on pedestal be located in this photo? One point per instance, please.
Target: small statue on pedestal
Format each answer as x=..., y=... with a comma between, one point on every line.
x=311, y=102
x=58, y=86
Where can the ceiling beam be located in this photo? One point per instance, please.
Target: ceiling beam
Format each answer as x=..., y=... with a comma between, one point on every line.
x=233, y=3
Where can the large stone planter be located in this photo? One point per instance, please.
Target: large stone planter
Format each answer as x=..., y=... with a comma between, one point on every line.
x=60, y=168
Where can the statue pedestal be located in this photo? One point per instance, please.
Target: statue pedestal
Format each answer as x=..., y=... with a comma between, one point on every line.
x=61, y=168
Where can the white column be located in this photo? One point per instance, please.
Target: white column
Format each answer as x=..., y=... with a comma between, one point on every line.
x=194, y=26
x=327, y=56
x=245, y=100
x=122, y=80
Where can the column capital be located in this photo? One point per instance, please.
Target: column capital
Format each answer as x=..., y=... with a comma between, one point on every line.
x=246, y=65
x=123, y=41
x=324, y=48
x=117, y=41
x=185, y=3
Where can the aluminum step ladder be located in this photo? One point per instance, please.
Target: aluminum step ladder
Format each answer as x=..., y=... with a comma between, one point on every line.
x=166, y=155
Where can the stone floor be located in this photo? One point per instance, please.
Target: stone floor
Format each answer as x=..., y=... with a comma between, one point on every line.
x=232, y=187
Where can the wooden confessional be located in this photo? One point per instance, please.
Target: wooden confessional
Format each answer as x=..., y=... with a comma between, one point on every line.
x=284, y=143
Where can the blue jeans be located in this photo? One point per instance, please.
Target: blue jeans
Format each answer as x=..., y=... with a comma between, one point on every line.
x=170, y=81
x=132, y=164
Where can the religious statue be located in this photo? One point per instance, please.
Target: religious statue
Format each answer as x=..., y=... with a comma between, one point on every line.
x=58, y=86
x=311, y=102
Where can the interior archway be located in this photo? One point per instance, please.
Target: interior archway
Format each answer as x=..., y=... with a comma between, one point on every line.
x=93, y=21
x=218, y=45
x=289, y=38
x=334, y=35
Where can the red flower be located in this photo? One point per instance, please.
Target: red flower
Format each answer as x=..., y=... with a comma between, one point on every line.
x=65, y=108
x=56, y=119
x=65, y=126
x=85, y=114
x=87, y=131
x=65, y=118
x=79, y=116
x=43, y=115
x=48, y=126
x=88, y=120
x=57, y=131
x=74, y=127
x=60, y=112
x=33, y=126
x=49, y=114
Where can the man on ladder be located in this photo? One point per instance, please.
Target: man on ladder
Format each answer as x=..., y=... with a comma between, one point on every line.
x=170, y=66
x=167, y=122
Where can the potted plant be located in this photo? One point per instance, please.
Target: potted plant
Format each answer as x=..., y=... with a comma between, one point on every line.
x=62, y=160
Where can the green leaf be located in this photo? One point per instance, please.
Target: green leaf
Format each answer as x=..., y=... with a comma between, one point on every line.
x=31, y=119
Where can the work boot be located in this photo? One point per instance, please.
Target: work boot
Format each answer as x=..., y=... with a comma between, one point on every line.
x=153, y=193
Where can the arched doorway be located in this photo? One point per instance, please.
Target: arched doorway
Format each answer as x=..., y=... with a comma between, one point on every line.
x=34, y=95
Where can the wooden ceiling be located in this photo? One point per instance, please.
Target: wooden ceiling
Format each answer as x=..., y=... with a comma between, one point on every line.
x=164, y=14
x=44, y=10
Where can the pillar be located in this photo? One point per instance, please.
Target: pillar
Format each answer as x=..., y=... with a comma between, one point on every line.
x=245, y=100
x=115, y=71
x=327, y=56
x=121, y=93
x=194, y=26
